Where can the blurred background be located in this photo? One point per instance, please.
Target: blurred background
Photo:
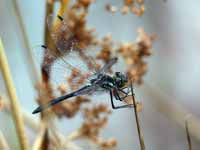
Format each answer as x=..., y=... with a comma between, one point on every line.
x=170, y=91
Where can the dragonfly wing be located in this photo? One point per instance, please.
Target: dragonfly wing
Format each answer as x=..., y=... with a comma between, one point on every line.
x=60, y=69
x=65, y=40
x=88, y=89
x=60, y=33
x=107, y=66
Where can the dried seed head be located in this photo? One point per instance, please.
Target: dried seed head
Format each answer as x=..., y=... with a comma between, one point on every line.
x=62, y=88
x=125, y=9
x=70, y=108
x=109, y=143
x=111, y=8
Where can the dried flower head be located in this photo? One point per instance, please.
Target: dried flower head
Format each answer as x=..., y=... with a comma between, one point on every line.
x=76, y=79
x=108, y=144
x=134, y=6
x=70, y=108
x=134, y=54
x=95, y=119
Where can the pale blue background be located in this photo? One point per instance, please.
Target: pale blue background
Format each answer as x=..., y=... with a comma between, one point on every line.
x=174, y=66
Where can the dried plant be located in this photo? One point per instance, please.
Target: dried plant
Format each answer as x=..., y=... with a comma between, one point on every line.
x=95, y=116
x=132, y=53
x=134, y=6
x=3, y=142
x=188, y=136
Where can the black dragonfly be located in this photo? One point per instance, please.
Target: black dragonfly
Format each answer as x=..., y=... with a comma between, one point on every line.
x=118, y=84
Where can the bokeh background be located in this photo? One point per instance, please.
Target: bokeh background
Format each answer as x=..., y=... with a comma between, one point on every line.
x=172, y=78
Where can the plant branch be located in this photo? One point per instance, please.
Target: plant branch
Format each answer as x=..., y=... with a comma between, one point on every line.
x=188, y=136
x=33, y=71
x=141, y=139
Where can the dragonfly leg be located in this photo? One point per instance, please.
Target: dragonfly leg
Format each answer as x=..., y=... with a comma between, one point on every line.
x=118, y=107
x=126, y=94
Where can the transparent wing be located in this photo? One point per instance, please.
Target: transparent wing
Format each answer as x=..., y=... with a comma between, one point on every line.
x=65, y=41
x=60, y=33
x=107, y=66
x=62, y=69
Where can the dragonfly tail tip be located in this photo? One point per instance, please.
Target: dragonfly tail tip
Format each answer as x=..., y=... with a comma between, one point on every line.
x=37, y=110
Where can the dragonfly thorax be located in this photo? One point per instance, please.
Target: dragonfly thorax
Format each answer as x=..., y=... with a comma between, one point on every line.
x=120, y=79
x=106, y=81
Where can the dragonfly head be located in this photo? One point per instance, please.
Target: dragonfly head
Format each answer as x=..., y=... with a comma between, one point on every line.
x=120, y=79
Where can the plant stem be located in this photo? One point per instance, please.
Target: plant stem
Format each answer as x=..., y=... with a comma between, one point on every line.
x=28, y=119
x=188, y=136
x=141, y=139
x=15, y=106
x=32, y=70
x=3, y=143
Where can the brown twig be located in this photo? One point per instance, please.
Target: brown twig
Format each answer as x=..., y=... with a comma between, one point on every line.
x=40, y=139
x=15, y=106
x=188, y=136
x=141, y=139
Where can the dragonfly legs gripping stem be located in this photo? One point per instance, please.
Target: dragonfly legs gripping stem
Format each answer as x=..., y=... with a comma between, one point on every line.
x=117, y=97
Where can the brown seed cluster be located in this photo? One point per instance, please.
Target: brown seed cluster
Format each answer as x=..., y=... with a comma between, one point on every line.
x=95, y=119
x=76, y=21
x=76, y=79
x=134, y=6
x=106, y=49
x=108, y=144
x=70, y=108
x=134, y=54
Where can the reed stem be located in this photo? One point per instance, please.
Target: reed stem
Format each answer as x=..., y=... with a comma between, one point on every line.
x=34, y=74
x=3, y=143
x=14, y=103
x=28, y=119
x=188, y=136
x=141, y=139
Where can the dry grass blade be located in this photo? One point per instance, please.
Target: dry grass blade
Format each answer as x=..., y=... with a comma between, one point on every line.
x=188, y=136
x=15, y=106
x=32, y=68
x=40, y=139
x=45, y=141
x=3, y=143
x=28, y=119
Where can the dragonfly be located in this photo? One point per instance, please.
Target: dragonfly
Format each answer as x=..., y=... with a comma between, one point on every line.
x=118, y=84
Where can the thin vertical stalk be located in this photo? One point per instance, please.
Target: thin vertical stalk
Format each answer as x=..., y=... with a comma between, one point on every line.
x=3, y=143
x=33, y=71
x=188, y=136
x=141, y=139
x=28, y=119
x=14, y=103
x=47, y=38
